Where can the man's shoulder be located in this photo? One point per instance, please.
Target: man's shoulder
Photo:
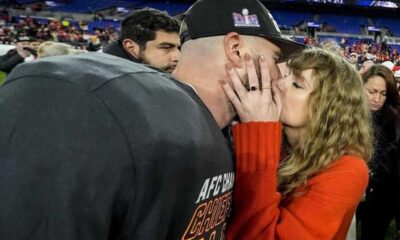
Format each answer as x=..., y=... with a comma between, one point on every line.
x=89, y=70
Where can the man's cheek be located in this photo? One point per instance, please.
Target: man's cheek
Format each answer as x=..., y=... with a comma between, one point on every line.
x=281, y=84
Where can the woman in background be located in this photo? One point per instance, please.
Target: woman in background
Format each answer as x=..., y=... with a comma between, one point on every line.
x=379, y=207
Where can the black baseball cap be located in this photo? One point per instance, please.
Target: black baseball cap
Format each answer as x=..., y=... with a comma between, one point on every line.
x=26, y=39
x=206, y=18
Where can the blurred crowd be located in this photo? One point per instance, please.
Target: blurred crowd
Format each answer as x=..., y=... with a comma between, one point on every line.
x=59, y=30
x=362, y=53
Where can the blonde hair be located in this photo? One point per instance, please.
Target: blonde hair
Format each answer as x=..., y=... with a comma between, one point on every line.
x=340, y=120
x=332, y=46
x=49, y=48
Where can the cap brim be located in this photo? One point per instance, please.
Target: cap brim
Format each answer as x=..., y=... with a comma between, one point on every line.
x=288, y=47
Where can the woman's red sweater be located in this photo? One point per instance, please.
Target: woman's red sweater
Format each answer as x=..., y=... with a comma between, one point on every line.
x=322, y=210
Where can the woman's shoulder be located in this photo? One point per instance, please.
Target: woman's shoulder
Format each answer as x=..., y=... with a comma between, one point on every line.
x=345, y=179
x=348, y=165
x=346, y=168
x=351, y=161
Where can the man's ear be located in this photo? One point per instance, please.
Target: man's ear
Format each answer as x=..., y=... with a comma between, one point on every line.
x=233, y=45
x=132, y=47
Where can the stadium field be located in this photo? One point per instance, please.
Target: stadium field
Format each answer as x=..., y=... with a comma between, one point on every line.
x=2, y=77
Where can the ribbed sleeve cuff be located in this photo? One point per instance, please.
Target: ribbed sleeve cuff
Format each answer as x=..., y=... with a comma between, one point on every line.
x=257, y=146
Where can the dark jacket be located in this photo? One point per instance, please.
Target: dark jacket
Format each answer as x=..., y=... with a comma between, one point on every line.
x=10, y=60
x=95, y=147
x=383, y=165
x=381, y=203
x=115, y=48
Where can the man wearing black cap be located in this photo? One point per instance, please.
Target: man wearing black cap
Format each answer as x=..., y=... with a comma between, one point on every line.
x=95, y=147
x=216, y=33
x=24, y=48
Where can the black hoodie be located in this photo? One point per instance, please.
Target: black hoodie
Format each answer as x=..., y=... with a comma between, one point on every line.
x=115, y=48
x=95, y=147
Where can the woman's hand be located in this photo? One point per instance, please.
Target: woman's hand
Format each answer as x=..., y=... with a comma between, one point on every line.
x=259, y=103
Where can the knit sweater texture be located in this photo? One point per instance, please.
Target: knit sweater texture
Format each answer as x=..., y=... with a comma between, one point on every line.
x=323, y=209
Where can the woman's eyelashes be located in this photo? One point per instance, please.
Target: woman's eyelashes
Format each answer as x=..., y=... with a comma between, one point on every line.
x=296, y=85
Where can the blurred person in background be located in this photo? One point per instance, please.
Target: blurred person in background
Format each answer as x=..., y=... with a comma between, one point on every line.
x=397, y=76
x=333, y=46
x=94, y=44
x=365, y=66
x=388, y=64
x=25, y=48
x=380, y=206
x=148, y=36
x=353, y=60
x=49, y=48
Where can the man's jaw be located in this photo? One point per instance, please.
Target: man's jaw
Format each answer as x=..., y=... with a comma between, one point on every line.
x=169, y=68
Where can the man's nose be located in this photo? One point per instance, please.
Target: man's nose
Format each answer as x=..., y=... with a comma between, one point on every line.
x=175, y=55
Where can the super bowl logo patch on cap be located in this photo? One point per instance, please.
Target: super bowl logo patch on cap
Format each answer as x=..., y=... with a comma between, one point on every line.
x=245, y=20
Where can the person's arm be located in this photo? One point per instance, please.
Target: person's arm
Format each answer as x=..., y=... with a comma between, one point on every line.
x=319, y=212
x=253, y=213
x=9, y=61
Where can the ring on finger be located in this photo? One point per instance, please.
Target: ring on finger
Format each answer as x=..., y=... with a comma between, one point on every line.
x=266, y=88
x=254, y=88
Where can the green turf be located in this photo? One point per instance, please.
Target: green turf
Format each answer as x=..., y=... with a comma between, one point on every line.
x=2, y=77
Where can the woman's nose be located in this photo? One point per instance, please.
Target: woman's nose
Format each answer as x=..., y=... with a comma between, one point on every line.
x=377, y=97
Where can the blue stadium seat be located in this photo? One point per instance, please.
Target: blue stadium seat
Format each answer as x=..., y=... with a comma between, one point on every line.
x=286, y=18
x=344, y=24
x=90, y=6
x=171, y=8
x=27, y=1
x=392, y=24
x=103, y=24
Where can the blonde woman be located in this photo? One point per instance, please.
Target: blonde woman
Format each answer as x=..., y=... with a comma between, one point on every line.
x=309, y=186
